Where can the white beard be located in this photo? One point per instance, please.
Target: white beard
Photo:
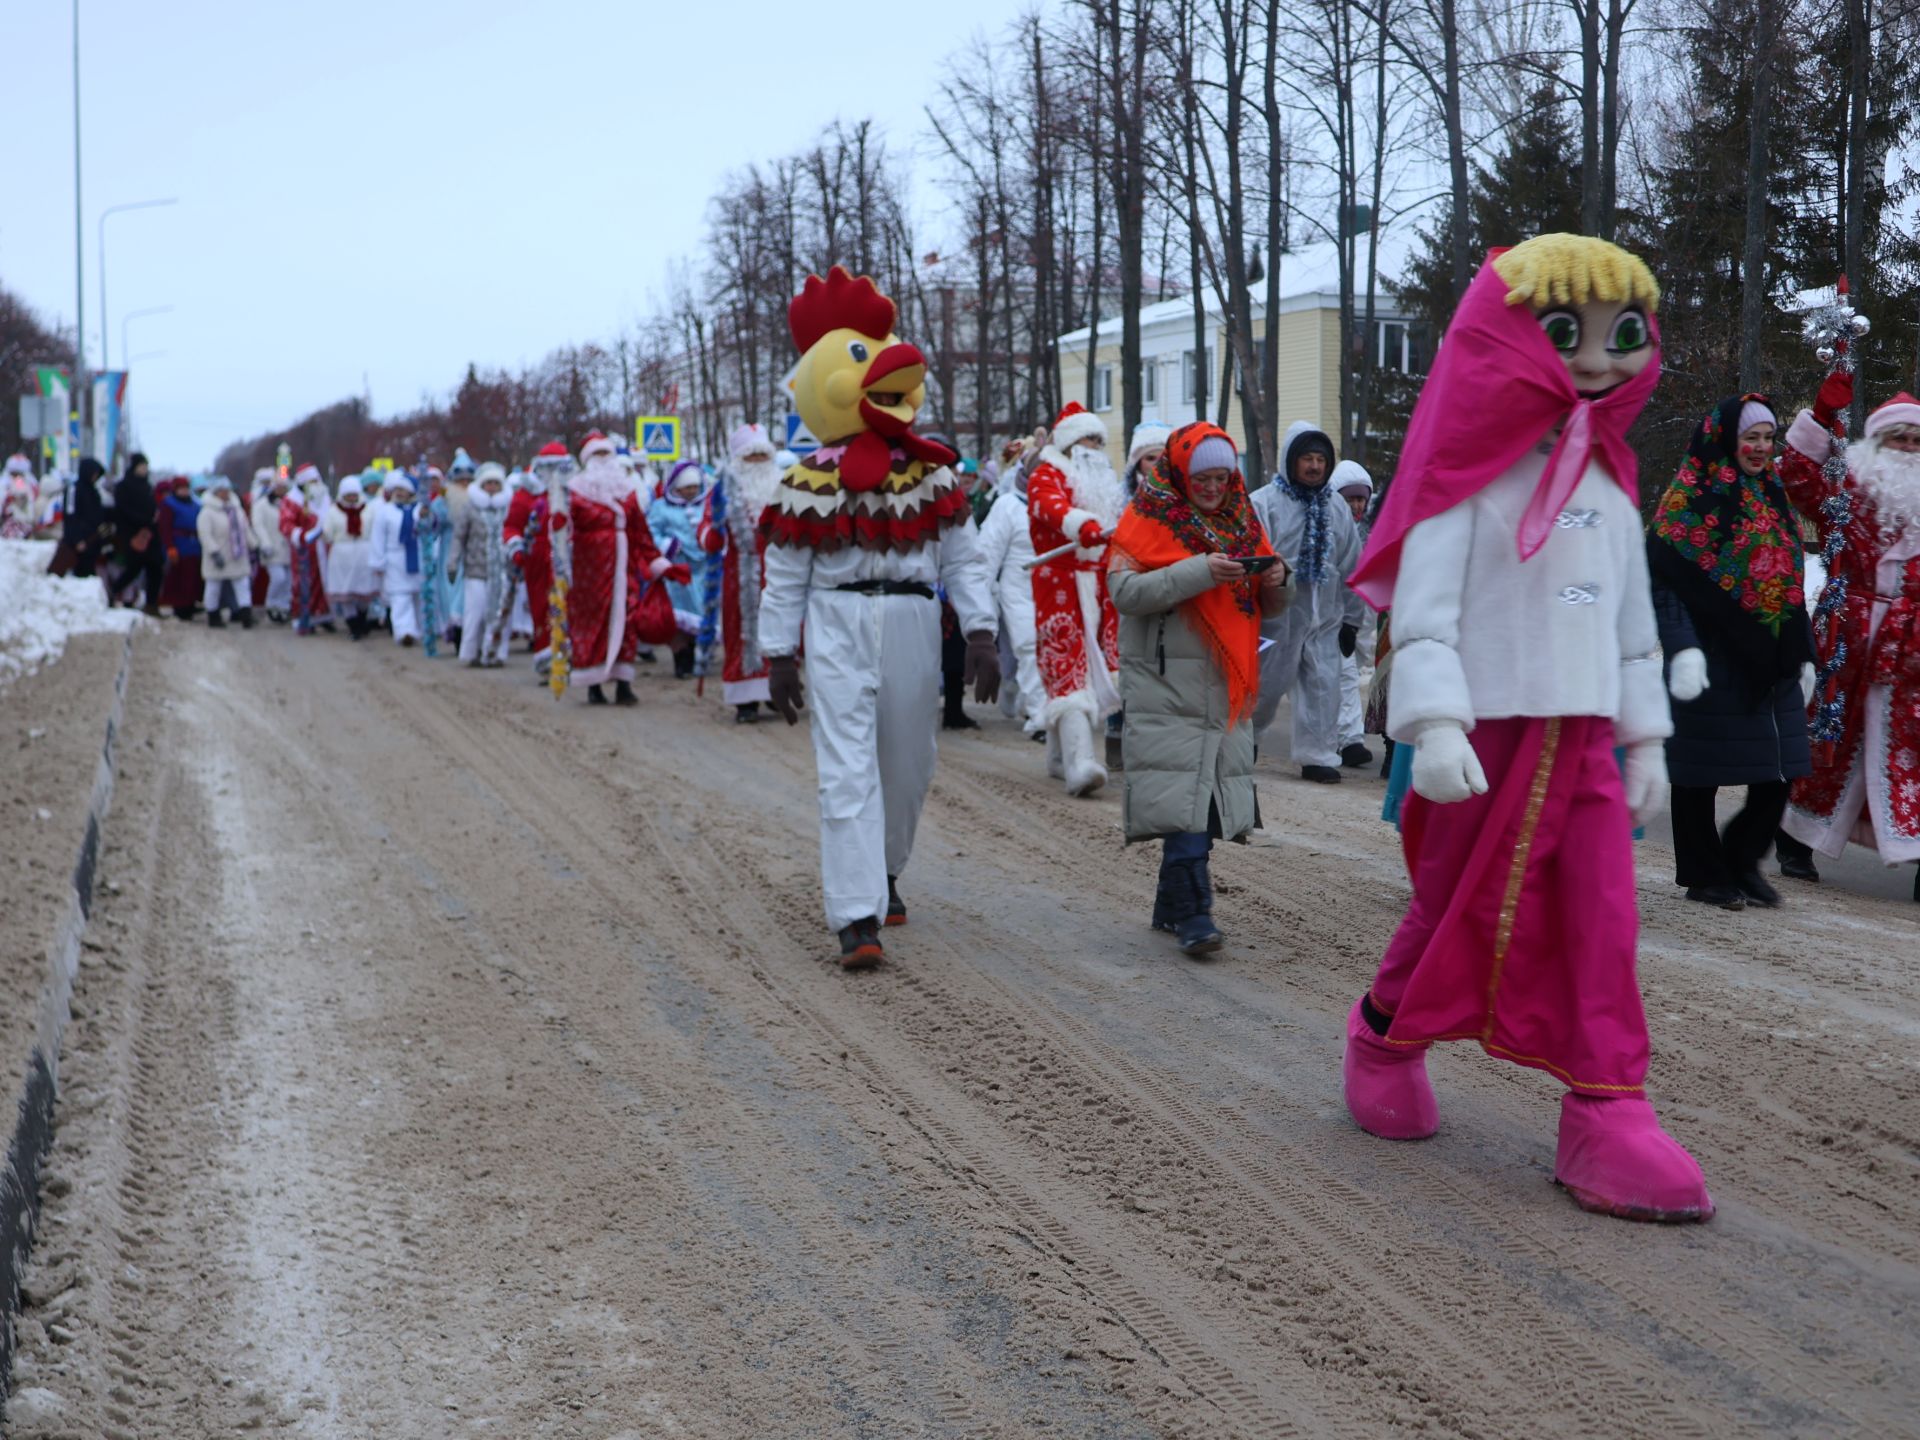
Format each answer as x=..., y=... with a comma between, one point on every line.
x=756, y=481
x=1096, y=488
x=1891, y=479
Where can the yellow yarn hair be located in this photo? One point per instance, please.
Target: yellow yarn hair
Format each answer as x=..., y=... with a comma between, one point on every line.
x=1573, y=269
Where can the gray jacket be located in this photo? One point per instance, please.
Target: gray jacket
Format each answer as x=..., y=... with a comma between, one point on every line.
x=1180, y=756
x=473, y=530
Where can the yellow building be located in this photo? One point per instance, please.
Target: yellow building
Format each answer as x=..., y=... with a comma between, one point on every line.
x=1308, y=333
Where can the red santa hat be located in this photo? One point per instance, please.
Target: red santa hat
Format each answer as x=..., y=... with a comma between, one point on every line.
x=554, y=450
x=1902, y=409
x=1076, y=423
x=306, y=475
x=596, y=443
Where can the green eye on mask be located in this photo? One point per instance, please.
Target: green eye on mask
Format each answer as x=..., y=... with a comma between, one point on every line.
x=1630, y=333
x=1562, y=329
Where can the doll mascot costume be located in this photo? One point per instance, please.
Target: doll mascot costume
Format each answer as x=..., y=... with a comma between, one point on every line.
x=858, y=536
x=1514, y=561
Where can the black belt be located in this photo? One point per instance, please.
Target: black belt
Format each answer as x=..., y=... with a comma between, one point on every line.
x=889, y=587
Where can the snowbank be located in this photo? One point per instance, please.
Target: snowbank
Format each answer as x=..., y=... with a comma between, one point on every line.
x=39, y=611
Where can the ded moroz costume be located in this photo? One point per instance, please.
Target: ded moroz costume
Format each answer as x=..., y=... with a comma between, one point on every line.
x=613, y=551
x=860, y=534
x=730, y=529
x=1513, y=558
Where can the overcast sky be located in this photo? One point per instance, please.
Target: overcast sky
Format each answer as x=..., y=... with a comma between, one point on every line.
x=388, y=189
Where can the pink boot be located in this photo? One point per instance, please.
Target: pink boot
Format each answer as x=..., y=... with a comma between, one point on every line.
x=1615, y=1159
x=1387, y=1089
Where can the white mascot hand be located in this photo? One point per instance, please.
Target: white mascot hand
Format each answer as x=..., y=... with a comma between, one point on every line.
x=1809, y=680
x=1445, y=769
x=1687, y=677
x=1645, y=775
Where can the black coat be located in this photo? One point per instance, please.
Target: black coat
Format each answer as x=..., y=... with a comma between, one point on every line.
x=1748, y=728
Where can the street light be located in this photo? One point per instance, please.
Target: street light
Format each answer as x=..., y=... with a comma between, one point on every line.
x=127, y=319
x=116, y=210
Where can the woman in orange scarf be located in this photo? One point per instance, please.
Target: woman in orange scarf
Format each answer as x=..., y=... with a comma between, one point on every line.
x=1192, y=575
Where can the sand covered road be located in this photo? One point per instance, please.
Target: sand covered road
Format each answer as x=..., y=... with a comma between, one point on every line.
x=447, y=1062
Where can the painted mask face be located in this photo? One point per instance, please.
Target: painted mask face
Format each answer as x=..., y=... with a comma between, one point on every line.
x=1604, y=343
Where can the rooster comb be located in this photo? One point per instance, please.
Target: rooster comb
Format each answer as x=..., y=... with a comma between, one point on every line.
x=838, y=302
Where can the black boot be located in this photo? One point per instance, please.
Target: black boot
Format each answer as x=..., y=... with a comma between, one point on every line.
x=216, y=621
x=1163, y=917
x=245, y=616
x=1796, y=858
x=1356, y=756
x=860, y=945
x=1320, y=774
x=596, y=696
x=683, y=663
x=1195, y=930
x=747, y=714
x=623, y=694
x=896, y=907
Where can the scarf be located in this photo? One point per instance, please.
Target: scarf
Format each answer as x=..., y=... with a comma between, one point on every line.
x=1313, y=535
x=409, y=538
x=236, y=530
x=354, y=514
x=1161, y=528
x=1455, y=448
x=1725, y=542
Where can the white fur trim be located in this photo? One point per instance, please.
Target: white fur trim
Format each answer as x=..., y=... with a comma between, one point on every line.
x=1809, y=437
x=1078, y=427
x=1076, y=518
x=1079, y=702
x=659, y=567
x=1890, y=414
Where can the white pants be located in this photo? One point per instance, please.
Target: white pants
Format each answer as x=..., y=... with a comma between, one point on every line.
x=1304, y=660
x=279, y=587
x=1025, y=644
x=235, y=599
x=403, y=608
x=477, y=627
x=873, y=695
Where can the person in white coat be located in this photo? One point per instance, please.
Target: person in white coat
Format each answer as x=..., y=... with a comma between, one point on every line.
x=1006, y=546
x=227, y=547
x=398, y=567
x=1311, y=528
x=347, y=528
x=276, y=552
x=479, y=553
x=1355, y=487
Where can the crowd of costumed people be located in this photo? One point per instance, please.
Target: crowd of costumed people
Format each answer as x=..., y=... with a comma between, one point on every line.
x=1548, y=670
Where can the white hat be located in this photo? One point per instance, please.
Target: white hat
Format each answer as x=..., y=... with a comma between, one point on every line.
x=1148, y=435
x=746, y=439
x=1075, y=423
x=490, y=470
x=18, y=465
x=401, y=480
x=1350, y=475
x=351, y=486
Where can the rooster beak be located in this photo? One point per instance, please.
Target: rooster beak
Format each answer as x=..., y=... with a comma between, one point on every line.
x=902, y=368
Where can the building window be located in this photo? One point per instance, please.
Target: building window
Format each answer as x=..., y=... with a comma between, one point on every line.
x=1103, y=388
x=1401, y=346
x=1188, y=389
x=1150, y=381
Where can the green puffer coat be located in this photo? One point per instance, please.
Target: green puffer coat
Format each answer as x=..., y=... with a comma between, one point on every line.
x=1180, y=755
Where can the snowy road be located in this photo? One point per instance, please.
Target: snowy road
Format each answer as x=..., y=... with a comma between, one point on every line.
x=449, y=1062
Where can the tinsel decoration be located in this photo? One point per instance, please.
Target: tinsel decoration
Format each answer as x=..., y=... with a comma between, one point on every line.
x=1831, y=328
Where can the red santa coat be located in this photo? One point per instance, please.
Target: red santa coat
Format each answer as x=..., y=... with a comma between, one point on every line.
x=735, y=537
x=299, y=524
x=1071, y=606
x=1865, y=786
x=613, y=551
x=530, y=548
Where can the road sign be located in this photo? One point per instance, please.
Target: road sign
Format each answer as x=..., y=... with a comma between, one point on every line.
x=800, y=440
x=383, y=463
x=41, y=415
x=658, y=436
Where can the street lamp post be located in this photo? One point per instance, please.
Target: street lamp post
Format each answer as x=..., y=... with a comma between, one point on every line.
x=127, y=319
x=116, y=210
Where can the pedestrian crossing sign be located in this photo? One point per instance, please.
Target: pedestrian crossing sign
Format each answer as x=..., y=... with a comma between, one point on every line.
x=383, y=463
x=658, y=436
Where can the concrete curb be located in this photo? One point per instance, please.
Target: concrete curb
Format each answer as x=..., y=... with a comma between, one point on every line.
x=33, y=1127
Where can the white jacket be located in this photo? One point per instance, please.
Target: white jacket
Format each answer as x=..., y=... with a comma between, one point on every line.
x=349, y=557
x=274, y=549
x=389, y=557
x=1006, y=543
x=215, y=528
x=1477, y=635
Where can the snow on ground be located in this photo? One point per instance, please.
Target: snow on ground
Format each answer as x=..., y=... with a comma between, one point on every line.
x=39, y=611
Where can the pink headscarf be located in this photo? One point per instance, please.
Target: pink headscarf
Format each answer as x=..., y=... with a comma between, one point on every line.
x=1496, y=387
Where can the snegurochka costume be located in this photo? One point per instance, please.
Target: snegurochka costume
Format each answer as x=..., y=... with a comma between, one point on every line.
x=859, y=538
x=1513, y=558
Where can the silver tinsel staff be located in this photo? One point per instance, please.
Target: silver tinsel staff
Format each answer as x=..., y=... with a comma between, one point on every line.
x=1831, y=328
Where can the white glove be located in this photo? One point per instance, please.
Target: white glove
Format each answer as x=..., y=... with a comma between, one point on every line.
x=1809, y=678
x=1687, y=677
x=1445, y=769
x=1645, y=775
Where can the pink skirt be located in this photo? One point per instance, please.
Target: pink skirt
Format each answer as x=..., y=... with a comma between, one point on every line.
x=1523, y=929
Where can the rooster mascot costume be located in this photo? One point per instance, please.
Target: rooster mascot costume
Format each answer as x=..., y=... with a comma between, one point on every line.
x=859, y=538
x=1525, y=651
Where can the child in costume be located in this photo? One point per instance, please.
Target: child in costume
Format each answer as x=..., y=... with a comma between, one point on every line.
x=858, y=537
x=1513, y=558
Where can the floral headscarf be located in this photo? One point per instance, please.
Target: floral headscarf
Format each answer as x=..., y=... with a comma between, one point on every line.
x=1160, y=527
x=1726, y=543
